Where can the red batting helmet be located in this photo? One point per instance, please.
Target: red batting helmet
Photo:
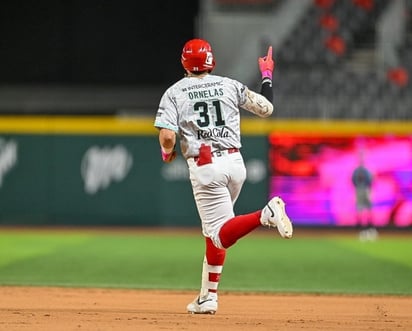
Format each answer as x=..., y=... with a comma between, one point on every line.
x=197, y=56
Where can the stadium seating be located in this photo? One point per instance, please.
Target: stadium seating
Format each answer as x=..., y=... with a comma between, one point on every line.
x=329, y=62
x=327, y=66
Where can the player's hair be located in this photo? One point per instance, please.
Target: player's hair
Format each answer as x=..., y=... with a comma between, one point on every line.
x=198, y=73
x=197, y=56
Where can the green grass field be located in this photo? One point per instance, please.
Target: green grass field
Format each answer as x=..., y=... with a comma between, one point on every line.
x=259, y=262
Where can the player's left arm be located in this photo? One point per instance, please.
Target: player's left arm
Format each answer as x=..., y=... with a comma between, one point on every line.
x=261, y=103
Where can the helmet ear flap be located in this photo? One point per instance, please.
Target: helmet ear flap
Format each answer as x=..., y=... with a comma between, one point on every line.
x=197, y=56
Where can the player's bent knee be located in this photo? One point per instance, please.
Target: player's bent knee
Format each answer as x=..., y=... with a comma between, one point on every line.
x=216, y=241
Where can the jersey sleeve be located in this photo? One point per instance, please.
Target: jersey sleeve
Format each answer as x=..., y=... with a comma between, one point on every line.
x=242, y=95
x=167, y=116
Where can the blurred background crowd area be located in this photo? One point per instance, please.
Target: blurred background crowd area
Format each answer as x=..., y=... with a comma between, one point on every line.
x=336, y=59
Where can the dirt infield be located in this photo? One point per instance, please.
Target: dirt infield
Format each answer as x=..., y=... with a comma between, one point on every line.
x=43, y=308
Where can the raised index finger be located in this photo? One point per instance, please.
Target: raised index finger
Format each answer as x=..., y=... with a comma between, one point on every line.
x=269, y=56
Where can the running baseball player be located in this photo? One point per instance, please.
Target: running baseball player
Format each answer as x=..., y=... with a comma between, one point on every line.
x=202, y=110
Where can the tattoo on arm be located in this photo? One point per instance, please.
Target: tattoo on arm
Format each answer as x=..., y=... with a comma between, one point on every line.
x=257, y=104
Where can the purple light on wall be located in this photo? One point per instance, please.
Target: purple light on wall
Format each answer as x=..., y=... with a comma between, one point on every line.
x=313, y=174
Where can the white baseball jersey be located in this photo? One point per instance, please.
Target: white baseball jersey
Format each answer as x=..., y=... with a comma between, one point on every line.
x=203, y=110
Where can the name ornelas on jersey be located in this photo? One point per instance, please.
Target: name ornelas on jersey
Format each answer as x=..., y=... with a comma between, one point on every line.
x=205, y=94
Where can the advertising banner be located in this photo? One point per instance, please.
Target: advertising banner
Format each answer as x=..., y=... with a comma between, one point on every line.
x=343, y=180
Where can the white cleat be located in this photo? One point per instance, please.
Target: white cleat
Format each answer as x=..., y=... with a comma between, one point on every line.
x=274, y=215
x=205, y=305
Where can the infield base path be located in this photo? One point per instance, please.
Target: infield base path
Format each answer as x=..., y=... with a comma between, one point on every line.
x=45, y=308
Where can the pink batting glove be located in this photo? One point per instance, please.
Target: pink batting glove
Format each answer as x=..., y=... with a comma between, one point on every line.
x=267, y=65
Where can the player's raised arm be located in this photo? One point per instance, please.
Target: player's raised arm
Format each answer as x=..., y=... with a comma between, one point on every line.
x=266, y=67
x=261, y=104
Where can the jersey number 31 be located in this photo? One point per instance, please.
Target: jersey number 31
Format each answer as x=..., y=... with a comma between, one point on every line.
x=203, y=109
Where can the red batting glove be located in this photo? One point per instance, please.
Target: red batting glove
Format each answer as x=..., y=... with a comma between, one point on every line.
x=267, y=65
x=168, y=157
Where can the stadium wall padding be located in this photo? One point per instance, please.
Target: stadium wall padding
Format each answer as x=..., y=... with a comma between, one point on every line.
x=106, y=170
x=92, y=171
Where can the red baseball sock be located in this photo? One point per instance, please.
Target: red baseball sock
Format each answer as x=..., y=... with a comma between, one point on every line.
x=212, y=267
x=238, y=227
x=214, y=255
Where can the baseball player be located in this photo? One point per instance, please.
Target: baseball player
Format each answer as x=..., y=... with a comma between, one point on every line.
x=362, y=181
x=203, y=111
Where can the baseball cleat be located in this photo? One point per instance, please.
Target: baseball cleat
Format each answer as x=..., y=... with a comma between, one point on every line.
x=274, y=215
x=205, y=305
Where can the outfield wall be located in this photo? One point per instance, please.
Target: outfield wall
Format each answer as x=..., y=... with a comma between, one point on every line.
x=106, y=170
